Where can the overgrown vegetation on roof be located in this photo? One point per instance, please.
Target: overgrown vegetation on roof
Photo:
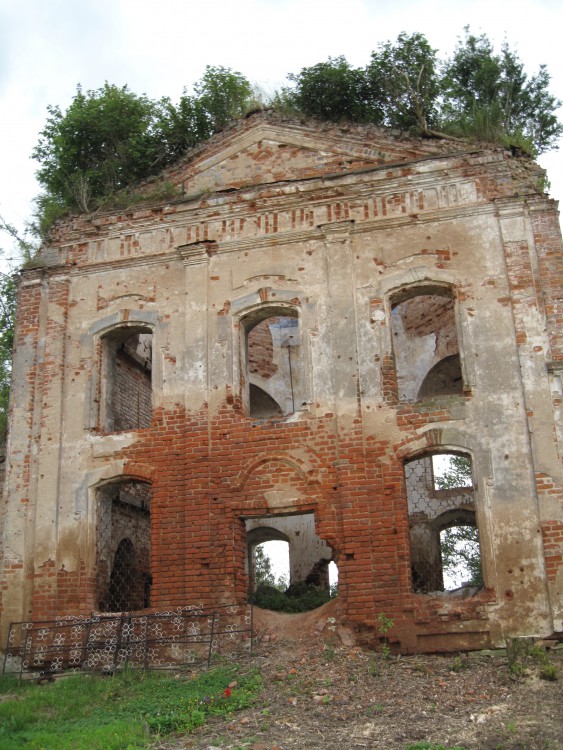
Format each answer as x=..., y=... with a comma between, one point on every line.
x=92, y=155
x=110, y=138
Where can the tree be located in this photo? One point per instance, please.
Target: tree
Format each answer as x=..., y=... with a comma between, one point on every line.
x=110, y=138
x=461, y=554
x=263, y=573
x=223, y=96
x=459, y=543
x=262, y=567
x=102, y=143
x=456, y=473
x=180, y=127
x=404, y=78
x=335, y=91
x=476, y=94
x=7, y=322
x=25, y=250
x=491, y=96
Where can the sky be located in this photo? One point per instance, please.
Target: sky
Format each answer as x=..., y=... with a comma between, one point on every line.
x=47, y=47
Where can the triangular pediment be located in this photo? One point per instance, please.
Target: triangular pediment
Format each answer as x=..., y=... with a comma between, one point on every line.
x=267, y=149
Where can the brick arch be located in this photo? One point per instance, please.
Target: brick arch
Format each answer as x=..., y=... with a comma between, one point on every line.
x=302, y=468
x=446, y=440
x=118, y=471
x=139, y=471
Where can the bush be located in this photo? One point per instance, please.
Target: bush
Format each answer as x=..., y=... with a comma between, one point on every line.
x=300, y=597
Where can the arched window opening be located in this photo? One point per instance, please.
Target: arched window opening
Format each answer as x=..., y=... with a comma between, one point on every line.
x=126, y=388
x=425, y=344
x=444, y=537
x=288, y=565
x=273, y=375
x=123, y=546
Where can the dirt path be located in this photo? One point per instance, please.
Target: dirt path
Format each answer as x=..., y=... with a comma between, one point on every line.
x=320, y=694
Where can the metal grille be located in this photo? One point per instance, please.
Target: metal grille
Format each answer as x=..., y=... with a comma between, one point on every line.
x=188, y=637
x=123, y=546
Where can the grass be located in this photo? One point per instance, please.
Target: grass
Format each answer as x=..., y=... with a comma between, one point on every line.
x=124, y=712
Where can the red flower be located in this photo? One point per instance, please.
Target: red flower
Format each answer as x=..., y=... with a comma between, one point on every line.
x=228, y=693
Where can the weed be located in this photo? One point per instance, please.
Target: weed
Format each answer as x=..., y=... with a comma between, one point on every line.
x=330, y=650
x=459, y=664
x=385, y=625
x=420, y=668
x=523, y=655
x=374, y=710
x=329, y=653
x=549, y=672
x=373, y=668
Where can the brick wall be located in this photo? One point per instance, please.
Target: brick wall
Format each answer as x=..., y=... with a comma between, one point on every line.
x=340, y=453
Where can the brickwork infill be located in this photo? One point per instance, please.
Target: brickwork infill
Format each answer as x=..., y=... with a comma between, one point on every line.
x=131, y=398
x=200, y=496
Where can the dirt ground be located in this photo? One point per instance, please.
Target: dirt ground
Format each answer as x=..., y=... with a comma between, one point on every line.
x=321, y=693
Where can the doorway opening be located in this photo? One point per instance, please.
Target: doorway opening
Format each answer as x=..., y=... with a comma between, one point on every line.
x=288, y=564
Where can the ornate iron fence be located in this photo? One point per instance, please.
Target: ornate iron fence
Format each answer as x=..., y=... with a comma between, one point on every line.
x=188, y=637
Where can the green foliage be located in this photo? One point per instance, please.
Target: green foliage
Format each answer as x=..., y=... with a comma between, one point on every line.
x=384, y=625
x=476, y=94
x=25, y=250
x=459, y=543
x=524, y=655
x=456, y=474
x=263, y=573
x=335, y=91
x=7, y=322
x=299, y=597
x=405, y=80
x=110, y=138
x=491, y=97
x=116, y=713
x=223, y=96
x=459, y=664
x=461, y=551
x=102, y=143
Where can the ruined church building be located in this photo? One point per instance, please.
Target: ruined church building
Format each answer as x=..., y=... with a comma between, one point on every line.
x=281, y=351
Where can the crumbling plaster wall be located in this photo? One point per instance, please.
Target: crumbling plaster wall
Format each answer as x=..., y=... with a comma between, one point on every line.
x=335, y=254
